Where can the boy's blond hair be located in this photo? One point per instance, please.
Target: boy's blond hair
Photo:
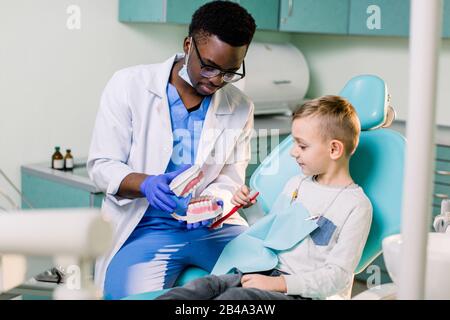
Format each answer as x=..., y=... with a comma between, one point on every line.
x=338, y=117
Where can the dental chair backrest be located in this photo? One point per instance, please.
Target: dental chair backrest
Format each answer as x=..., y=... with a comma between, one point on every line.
x=377, y=165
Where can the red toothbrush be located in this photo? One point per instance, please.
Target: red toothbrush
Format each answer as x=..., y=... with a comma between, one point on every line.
x=235, y=208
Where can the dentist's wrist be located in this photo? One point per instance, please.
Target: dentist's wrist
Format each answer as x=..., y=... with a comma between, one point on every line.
x=143, y=185
x=130, y=186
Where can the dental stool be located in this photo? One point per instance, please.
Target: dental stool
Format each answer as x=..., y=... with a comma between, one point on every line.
x=377, y=166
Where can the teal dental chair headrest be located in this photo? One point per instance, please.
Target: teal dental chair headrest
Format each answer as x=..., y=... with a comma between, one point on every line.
x=368, y=95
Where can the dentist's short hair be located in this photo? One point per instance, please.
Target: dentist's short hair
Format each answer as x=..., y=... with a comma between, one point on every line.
x=229, y=21
x=339, y=119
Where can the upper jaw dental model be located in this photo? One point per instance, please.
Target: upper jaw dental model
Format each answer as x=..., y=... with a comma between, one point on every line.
x=186, y=182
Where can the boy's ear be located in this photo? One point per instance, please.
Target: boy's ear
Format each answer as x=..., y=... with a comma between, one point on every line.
x=337, y=149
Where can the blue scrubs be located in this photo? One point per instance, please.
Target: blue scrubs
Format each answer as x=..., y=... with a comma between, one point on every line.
x=160, y=247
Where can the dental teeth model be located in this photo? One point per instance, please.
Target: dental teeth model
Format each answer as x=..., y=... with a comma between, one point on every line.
x=201, y=208
x=187, y=181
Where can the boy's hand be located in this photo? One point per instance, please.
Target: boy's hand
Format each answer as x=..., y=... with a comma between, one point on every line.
x=242, y=197
x=267, y=283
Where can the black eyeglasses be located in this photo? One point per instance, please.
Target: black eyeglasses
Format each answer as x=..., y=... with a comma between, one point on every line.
x=208, y=71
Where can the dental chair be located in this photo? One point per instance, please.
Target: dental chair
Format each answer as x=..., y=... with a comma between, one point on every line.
x=377, y=166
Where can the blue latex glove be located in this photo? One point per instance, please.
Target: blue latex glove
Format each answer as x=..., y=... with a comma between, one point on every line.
x=157, y=191
x=202, y=223
x=181, y=204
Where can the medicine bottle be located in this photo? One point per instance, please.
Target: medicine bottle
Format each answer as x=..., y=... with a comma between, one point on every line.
x=57, y=160
x=68, y=161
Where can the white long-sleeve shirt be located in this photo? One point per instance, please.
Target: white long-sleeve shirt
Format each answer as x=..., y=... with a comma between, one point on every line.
x=320, y=271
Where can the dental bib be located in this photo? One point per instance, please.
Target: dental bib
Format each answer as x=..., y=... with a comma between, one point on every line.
x=284, y=227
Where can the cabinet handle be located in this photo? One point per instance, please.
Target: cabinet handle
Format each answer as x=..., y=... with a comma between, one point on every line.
x=290, y=7
x=442, y=172
x=440, y=196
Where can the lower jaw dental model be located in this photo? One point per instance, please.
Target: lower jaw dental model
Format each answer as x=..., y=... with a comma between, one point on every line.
x=200, y=208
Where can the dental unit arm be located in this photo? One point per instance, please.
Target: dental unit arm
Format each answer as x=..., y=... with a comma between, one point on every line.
x=73, y=237
x=441, y=222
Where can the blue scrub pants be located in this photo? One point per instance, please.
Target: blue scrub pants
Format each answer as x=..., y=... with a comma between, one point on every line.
x=152, y=259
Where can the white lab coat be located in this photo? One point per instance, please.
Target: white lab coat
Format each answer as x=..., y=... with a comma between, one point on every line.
x=133, y=133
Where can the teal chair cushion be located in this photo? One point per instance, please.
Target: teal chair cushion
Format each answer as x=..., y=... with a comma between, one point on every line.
x=377, y=166
x=368, y=94
x=189, y=275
